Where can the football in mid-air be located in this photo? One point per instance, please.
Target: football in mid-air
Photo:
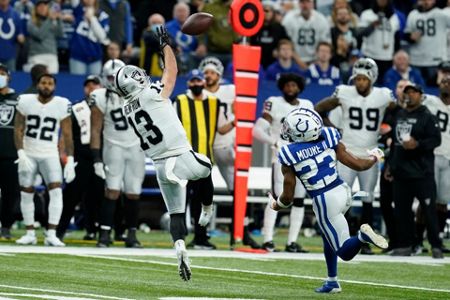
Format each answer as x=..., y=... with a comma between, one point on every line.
x=197, y=23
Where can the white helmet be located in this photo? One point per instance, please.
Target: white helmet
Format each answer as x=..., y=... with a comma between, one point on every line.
x=211, y=63
x=110, y=69
x=367, y=67
x=301, y=125
x=130, y=80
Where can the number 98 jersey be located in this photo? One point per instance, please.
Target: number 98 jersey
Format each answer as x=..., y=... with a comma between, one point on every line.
x=362, y=116
x=115, y=126
x=42, y=123
x=156, y=124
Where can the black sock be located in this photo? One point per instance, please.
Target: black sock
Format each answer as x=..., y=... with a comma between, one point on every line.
x=207, y=190
x=107, y=212
x=131, y=213
x=178, y=228
x=367, y=213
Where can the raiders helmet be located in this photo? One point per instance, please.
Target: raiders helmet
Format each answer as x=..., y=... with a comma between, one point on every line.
x=366, y=67
x=301, y=125
x=130, y=80
x=110, y=69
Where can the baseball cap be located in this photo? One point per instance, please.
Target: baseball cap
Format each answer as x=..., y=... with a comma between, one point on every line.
x=444, y=66
x=92, y=78
x=4, y=68
x=42, y=1
x=414, y=87
x=195, y=74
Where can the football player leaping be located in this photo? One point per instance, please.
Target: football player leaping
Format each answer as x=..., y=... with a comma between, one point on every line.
x=363, y=107
x=38, y=120
x=149, y=111
x=123, y=164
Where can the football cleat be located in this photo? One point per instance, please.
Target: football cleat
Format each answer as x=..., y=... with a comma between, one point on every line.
x=131, y=241
x=295, y=248
x=367, y=235
x=53, y=241
x=269, y=246
x=205, y=216
x=329, y=287
x=184, y=269
x=104, y=240
x=27, y=239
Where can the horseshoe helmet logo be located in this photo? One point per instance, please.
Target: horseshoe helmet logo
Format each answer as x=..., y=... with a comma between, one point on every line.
x=302, y=125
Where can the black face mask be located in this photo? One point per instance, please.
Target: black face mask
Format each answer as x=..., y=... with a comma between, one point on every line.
x=196, y=89
x=289, y=98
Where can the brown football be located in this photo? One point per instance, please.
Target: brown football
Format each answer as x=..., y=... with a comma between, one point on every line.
x=197, y=23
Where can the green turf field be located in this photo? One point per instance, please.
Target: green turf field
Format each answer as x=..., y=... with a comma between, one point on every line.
x=89, y=273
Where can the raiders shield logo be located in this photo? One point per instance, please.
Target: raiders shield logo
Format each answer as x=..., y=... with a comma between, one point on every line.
x=402, y=130
x=6, y=114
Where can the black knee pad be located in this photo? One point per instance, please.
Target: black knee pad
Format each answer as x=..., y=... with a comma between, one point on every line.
x=299, y=202
x=178, y=228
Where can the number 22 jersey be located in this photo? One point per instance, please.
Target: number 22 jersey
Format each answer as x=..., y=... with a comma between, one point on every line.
x=156, y=123
x=42, y=123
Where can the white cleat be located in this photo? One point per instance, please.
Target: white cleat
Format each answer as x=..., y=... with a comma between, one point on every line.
x=205, y=216
x=53, y=241
x=369, y=236
x=184, y=263
x=27, y=239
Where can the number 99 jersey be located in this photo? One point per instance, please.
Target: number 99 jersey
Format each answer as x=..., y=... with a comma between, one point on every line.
x=42, y=123
x=362, y=116
x=115, y=126
x=156, y=124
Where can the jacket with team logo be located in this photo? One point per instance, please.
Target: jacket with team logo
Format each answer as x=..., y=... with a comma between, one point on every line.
x=422, y=125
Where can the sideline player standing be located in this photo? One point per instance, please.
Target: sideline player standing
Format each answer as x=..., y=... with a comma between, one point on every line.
x=267, y=130
x=149, y=111
x=311, y=157
x=123, y=164
x=36, y=128
x=363, y=107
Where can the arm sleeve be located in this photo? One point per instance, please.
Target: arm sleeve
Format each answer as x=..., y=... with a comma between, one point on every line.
x=66, y=109
x=128, y=24
x=261, y=131
x=433, y=138
x=20, y=106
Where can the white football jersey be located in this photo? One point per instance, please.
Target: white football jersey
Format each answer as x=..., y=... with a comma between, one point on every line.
x=442, y=113
x=116, y=129
x=226, y=94
x=156, y=123
x=306, y=34
x=432, y=46
x=380, y=43
x=42, y=123
x=278, y=108
x=362, y=116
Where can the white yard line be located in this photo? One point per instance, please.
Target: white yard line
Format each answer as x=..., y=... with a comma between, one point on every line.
x=272, y=274
x=42, y=296
x=15, y=287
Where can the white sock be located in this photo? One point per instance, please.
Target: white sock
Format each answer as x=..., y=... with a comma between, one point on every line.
x=207, y=208
x=51, y=233
x=270, y=216
x=31, y=232
x=295, y=223
x=27, y=208
x=332, y=278
x=55, y=206
x=179, y=245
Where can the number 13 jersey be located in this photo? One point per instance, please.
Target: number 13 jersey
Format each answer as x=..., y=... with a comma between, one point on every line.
x=362, y=116
x=156, y=123
x=42, y=123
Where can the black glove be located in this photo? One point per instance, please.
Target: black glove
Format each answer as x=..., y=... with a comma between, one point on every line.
x=164, y=38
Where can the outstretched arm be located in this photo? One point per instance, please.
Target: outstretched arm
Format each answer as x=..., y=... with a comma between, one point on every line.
x=356, y=163
x=169, y=76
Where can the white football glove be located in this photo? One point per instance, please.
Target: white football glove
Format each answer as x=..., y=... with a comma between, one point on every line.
x=69, y=170
x=24, y=162
x=99, y=169
x=377, y=152
x=272, y=201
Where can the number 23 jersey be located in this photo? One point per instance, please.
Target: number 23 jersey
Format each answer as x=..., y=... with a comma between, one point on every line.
x=42, y=123
x=362, y=116
x=116, y=129
x=156, y=123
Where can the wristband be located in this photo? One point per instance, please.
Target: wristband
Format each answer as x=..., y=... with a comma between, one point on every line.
x=96, y=155
x=282, y=205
